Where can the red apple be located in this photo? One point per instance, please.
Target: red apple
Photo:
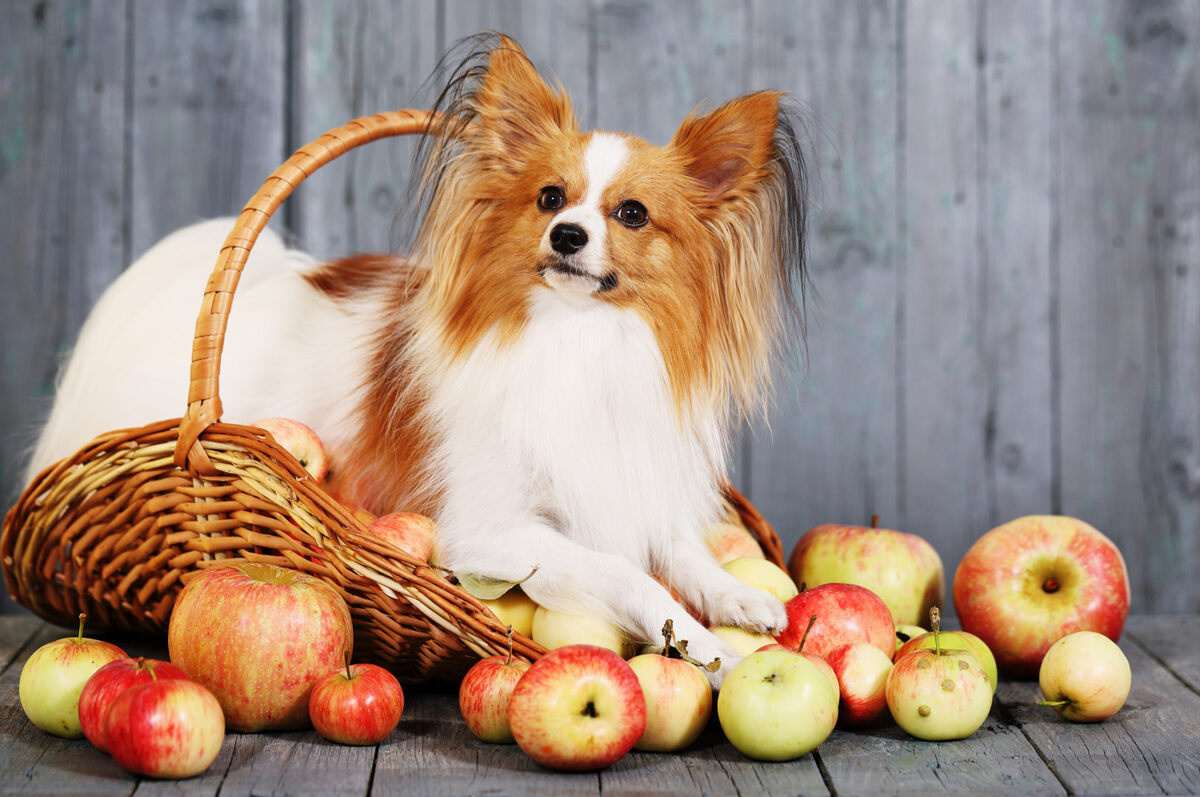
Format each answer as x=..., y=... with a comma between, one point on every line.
x=484, y=695
x=862, y=673
x=111, y=680
x=360, y=705
x=902, y=569
x=578, y=707
x=729, y=541
x=301, y=442
x=259, y=637
x=171, y=728
x=54, y=676
x=1024, y=585
x=845, y=613
x=412, y=533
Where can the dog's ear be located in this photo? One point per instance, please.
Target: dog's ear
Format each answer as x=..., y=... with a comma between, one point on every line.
x=729, y=151
x=514, y=108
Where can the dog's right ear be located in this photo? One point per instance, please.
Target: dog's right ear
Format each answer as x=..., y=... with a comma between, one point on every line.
x=514, y=109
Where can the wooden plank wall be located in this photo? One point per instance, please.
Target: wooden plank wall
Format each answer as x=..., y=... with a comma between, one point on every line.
x=1005, y=239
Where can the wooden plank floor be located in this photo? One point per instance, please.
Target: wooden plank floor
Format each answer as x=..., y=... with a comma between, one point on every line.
x=1151, y=747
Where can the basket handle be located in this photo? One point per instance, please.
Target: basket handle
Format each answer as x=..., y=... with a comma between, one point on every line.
x=204, y=402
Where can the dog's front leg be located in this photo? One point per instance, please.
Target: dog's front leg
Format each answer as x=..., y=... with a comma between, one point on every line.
x=570, y=577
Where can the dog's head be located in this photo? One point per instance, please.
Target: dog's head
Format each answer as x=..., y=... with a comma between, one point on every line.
x=702, y=237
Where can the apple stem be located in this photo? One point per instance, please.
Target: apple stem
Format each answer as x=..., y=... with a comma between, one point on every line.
x=874, y=521
x=1053, y=702
x=808, y=628
x=82, y=618
x=346, y=658
x=935, y=622
x=508, y=634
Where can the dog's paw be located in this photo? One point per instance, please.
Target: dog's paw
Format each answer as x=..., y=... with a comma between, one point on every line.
x=746, y=607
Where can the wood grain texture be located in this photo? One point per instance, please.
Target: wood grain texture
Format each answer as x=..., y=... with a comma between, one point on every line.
x=1173, y=641
x=207, y=119
x=1005, y=237
x=1148, y=747
x=829, y=450
x=1128, y=311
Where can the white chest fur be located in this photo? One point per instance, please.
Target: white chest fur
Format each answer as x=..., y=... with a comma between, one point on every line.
x=575, y=425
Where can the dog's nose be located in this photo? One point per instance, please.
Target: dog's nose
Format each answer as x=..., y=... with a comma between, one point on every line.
x=567, y=239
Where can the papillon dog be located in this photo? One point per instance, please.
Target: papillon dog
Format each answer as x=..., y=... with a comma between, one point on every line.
x=555, y=374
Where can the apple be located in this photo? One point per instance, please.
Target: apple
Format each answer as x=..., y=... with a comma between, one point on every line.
x=938, y=694
x=410, y=532
x=742, y=641
x=514, y=608
x=1085, y=677
x=762, y=575
x=360, y=705
x=819, y=662
x=776, y=706
x=111, y=680
x=1028, y=583
x=553, y=629
x=902, y=569
x=169, y=728
x=579, y=707
x=960, y=640
x=907, y=632
x=729, y=541
x=259, y=637
x=845, y=613
x=301, y=442
x=678, y=695
x=54, y=676
x=485, y=692
x=862, y=673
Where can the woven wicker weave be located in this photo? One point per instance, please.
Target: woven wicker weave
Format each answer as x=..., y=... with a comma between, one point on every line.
x=117, y=529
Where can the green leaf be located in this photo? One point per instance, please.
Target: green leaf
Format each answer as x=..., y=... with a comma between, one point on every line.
x=487, y=588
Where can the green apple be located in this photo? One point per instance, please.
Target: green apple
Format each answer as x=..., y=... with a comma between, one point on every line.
x=553, y=629
x=1085, y=677
x=762, y=575
x=959, y=640
x=54, y=676
x=905, y=633
x=776, y=706
x=938, y=694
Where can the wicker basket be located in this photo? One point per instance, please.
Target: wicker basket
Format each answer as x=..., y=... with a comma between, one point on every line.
x=118, y=528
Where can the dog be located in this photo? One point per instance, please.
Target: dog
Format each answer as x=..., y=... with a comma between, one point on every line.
x=554, y=374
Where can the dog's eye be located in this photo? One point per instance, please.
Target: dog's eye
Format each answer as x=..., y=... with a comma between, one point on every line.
x=631, y=213
x=551, y=198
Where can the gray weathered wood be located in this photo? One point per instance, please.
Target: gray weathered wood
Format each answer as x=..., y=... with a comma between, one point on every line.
x=1128, y=323
x=942, y=375
x=829, y=453
x=1173, y=641
x=1148, y=747
x=208, y=109
x=62, y=205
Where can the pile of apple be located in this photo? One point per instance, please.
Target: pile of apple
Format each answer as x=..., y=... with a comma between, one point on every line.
x=253, y=647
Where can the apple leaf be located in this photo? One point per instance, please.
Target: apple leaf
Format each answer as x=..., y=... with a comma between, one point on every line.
x=487, y=588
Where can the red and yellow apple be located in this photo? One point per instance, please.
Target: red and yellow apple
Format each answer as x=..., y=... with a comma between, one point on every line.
x=862, y=673
x=844, y=613
x=54, y=676
x=111, y=680
x=360, y=705
x=412, y=533
x=1028, y=583
x=579, y=707
x=678, y=696
x=958, y=640
x=729, y=541
x=484, y=695
x=171, y=728
x=301, y=442
x=902, y=569
x=259, y=637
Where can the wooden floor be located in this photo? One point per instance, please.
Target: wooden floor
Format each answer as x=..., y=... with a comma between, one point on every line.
x=1151, y=747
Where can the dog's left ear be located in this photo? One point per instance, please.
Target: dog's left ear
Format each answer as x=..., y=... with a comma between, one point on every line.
x=515, y=109
x=729, y=151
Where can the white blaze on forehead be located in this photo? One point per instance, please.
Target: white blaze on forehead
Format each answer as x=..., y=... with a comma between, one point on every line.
x=602, y=160
x=605, y=155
